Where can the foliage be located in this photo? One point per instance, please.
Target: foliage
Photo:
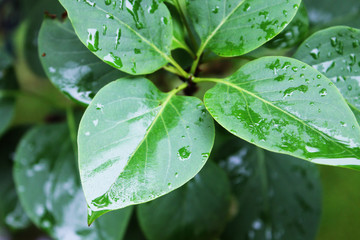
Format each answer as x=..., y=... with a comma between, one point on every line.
x=211, y=117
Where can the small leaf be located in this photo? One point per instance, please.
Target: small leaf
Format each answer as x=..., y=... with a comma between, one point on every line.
x=235, y=27
x=276, y=196
x=12, y=214
x=133, y=36
x=46, y=178
x=70, y=66
x=335, y=52
x=137, y=143
x=294, y=33
x=195, y=211
x=286, y=106
x=8, y=84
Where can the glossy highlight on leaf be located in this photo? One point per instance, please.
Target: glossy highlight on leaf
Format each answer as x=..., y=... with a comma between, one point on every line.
x=335, y=52
x=235, y=27
x=45, y=159
x=277, y=196
x=286, y=106
x=132, y=35
x=70, y=66
x=137, y=143
x=196, y=211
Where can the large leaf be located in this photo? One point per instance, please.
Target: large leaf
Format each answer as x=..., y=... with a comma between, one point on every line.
x=49, y=188
x=286, y=106
x=132, y=35
x=335, y=52
x=338, y=12
x=12, y=214
x=8, y=84
x=196, y=211
x=235, y=27
x=70, y=65
x=294, y=33
x=137, y=143
x=277, y=196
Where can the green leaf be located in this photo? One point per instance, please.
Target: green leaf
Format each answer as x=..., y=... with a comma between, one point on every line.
x=70, y=66
x=339, y=12
x=277, y=196
x=335, y=52
x=29, y=40
x=196, y=211
x=286, y=106
x=8, y=84
x=137, y=143
x=294, y=33
x=46, y=178
x=12, y=214
x=133, y=36
x=235, y=27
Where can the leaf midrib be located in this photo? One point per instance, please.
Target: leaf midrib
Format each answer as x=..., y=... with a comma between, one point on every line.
x=281, y=110
x=158, y=116
x=206, y=42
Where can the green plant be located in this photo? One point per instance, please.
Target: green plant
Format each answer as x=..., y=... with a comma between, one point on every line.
x=146, y=133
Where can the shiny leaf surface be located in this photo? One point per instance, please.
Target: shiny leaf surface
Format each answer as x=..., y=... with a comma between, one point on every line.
x=335, y=52
x=46, y=178
x=137, y=143
x=7, y=99
x=286, y=106
x=12, y=214
x=277, y=196
x=294, y=33
x=235, y=27
x=70, y=66
x=133, y=36
x=196, y=211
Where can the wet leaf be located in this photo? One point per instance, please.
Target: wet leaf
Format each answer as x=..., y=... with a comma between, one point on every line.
x=286, y=106
x=49, y=188
x=294, y=33
x=70, y=66
x=339, y=12
x=137, y=143
x=133, y=36
x=276, y=196
x=196, y=211
x=235, y=27
x=335, y=52
x=7, y=98
x=12, y=214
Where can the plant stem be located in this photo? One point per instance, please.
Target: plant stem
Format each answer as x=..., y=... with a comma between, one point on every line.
x=216, y=80
x=172, y=70
x=180, y=71
x=72, y=128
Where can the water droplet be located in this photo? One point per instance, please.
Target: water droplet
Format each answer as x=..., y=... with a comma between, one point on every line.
x=93, y=39
x=133, y=7
x=295, y=69
x=118, y=37
x=184, y=153
x=169, y=185
x=285, y=13
x=323, y=92
x=137, y=51
x=113, y=60
x=87, y=134
x=107, y=2
x=296, y=6
x=216, y=9
x=349, y=87
x=104, y=30
x=246, y=7
x=164, y=20
x=176, y=175
x=315, y=53
x=343, y=124
x=90, y=3
x=96, y=122
x=302, y=88
x=318, y=76
x=99, y=106
x=333, y=41
x=153, y=7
